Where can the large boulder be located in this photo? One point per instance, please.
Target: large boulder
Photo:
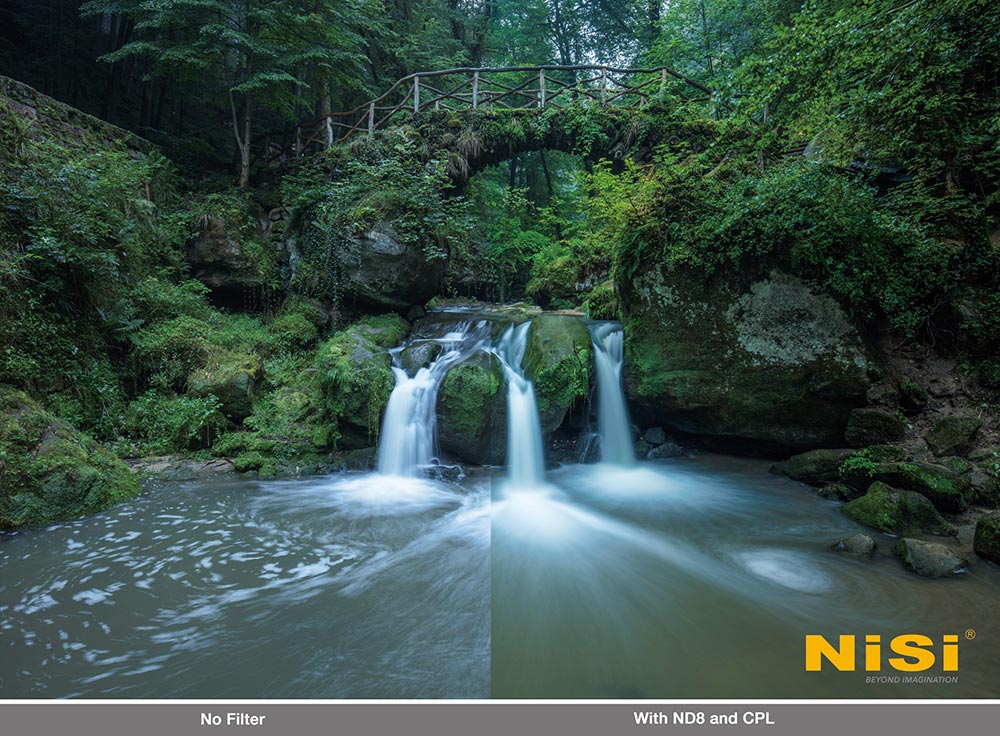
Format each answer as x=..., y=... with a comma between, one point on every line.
x=815, y=467
x=953, y=434
x=774, y=360
x=929, y=559
x=896, y=512
x=355, y=377
x=557, y=360
x=49, y=471
x=986, y=541
x=472, y=411
x=874, y=427
x=946, y=489
x=380, y=270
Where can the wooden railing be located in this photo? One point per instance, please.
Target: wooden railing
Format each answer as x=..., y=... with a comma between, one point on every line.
x=518, y=87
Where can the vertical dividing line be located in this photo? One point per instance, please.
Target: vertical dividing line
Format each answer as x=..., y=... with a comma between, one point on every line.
x=416, y=93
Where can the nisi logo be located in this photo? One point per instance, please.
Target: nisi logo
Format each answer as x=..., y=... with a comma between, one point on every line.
x=913, y=653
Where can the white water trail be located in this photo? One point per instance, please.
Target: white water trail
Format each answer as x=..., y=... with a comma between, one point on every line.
x=409, y=429
x=525, y=453
x=613, y=424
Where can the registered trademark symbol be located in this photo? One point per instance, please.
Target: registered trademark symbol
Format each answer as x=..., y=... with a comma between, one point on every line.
x=970, y=634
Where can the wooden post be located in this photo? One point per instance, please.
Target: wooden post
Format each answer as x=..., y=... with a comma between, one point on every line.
x=663, y=83
x=604, y=84
x=298, y=139
x=475, y=90
x=416, y=93
x=329, y=132
x=371, y=119
x=541, y=88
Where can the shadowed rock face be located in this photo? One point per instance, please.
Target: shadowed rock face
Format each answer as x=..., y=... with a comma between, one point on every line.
x=774, y=360
x=383, y=272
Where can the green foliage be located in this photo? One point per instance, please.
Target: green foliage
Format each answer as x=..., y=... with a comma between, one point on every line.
x=161, y=424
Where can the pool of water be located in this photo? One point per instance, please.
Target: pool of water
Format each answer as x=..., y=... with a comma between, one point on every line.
x=695, y=577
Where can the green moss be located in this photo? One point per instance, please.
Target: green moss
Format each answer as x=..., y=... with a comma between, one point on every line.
x=557, y=360
x=51, y=472
x=986, y=541
x=896, y=512
x=471, y=409
x=874, y=426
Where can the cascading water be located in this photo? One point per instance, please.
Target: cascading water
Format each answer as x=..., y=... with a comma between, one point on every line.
x=525, y=455
x=409, y=429
x=612, y=416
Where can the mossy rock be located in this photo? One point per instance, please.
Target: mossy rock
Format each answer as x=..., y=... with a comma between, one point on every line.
x=953, y=434
x=312, y=309
x=897, y=512
x=814, y=467
x=775, y=360
x=232, y=379
x=472, y=411
x=874, y=427
x=929, y=559
x=557, y=361
x=839, y=492
x=51, y=472
x=986, y=541
x=947, y=490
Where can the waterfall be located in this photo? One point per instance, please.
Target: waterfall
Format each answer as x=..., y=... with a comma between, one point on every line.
x=409, y=429
x=525, y=454
x=613, y=424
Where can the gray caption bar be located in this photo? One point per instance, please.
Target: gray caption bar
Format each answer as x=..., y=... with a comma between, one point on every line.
x=496, y=719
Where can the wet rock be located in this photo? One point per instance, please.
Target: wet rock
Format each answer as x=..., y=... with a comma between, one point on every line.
x=928, y=558
x=472, y=411
x=985, y=454
x=179, y=469
x=51, y=472
x=355, y=377
x=897, y=512
x=419, y=355
x=813, y=467
x=840, y=492
x=641, y=448
x=987, y=538
x=874, y=427
x=363, y=458
x=450, y=473
x=655, y=436
x=557, y=360
x=857, y=544
x=665, y=451
x=966, y=534
x=953, y=434
x=775, y=360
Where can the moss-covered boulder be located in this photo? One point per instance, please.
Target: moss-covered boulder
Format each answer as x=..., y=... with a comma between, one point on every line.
x=896, y=512
x=232, y=378
x=953, y=434
x=947, y=490
x=51, y=472
x=774, y=360
x=355, y=377
x=472, y=411
x=986, y=541
x=929, y=559
x=874, y=427
x=814, y=467
x=557, y=360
